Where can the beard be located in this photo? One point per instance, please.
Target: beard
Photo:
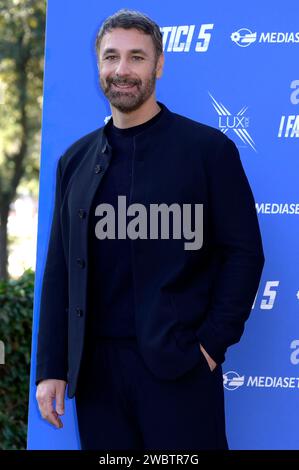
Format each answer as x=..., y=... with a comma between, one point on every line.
x=128, y=101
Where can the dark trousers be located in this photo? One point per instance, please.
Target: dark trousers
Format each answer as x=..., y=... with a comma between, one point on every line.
x=121, y=405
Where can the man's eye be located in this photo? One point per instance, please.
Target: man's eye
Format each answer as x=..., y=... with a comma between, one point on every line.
x=137, y=57
x=110, y=57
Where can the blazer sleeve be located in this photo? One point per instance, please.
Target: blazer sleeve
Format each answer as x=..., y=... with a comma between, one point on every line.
x=51, y=359
x=237, y=240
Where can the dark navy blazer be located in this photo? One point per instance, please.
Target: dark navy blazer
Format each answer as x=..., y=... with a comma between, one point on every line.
x=182, y=297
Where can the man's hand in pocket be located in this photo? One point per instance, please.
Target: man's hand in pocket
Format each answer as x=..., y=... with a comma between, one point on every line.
x=210, y=361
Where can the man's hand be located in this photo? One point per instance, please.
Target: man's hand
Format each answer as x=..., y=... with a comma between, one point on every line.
x=210, y=361
x=47, y=391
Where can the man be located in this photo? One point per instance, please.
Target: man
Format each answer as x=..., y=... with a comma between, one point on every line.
x=134, y=319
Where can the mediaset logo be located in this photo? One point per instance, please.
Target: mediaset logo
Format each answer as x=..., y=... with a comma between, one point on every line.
x=272, y=382
x=289, y=124
x=275, y=208
x=232, y=381
x=244, y=37
x=183, y=38
x=238, y=122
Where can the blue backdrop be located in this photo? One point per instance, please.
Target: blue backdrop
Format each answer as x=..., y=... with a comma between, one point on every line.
x=231, y=65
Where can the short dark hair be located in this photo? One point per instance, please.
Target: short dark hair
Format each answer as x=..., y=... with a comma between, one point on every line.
x=132, y=19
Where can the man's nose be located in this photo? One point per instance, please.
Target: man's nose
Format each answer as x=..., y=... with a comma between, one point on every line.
x=122, y=67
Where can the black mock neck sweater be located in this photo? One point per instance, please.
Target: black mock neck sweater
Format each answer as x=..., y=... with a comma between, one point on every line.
x=110, y=283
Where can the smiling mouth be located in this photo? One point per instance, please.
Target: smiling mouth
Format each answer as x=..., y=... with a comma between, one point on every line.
x=124, y=86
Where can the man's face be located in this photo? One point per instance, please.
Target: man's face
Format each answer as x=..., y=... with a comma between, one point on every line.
x=128, y=68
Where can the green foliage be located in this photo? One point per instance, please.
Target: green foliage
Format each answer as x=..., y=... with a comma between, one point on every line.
x=16, y=308
x=22, y=32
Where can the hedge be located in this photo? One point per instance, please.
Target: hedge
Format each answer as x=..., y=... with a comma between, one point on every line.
x=16, y=308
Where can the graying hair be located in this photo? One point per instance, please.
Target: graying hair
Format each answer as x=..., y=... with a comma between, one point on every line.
x=132, y=19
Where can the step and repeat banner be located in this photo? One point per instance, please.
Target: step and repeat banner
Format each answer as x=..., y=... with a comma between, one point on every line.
x=232, y=65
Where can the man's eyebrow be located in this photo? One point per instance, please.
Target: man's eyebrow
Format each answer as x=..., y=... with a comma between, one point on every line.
x=138, y=51
x=111, y=50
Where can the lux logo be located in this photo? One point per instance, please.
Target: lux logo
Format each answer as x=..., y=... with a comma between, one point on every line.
x=238, y=123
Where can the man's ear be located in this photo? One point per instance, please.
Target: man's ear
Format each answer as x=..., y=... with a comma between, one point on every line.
x=160, y=64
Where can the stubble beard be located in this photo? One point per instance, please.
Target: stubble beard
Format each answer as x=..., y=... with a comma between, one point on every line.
x=128, y=101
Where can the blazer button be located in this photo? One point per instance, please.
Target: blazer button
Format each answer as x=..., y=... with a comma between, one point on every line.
x=79, y=312
x=81, y=262
x=98, y=168
x=82, y=213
